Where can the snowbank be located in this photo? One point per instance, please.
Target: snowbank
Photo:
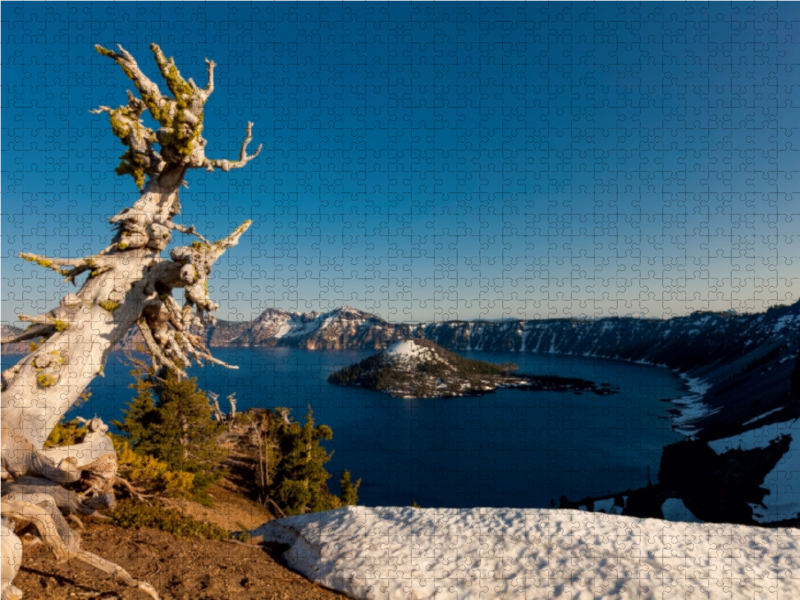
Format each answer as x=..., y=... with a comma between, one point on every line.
x=528, y=554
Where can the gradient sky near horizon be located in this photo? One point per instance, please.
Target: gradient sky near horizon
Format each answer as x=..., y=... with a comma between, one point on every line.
x=431, y=161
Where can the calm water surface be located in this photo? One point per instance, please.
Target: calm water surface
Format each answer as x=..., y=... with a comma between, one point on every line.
x=510, y=448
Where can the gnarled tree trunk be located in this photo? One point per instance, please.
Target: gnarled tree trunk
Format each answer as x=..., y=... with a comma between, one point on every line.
x=128, y=284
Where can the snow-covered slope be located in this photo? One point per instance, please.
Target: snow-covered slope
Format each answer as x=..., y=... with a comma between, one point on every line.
x=531, y=554
x=343, y=327
x=783, y=482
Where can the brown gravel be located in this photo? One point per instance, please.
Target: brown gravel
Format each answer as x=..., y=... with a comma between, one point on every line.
x=188, y=569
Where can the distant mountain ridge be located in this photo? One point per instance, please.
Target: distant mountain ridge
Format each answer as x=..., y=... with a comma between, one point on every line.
x=743, y=362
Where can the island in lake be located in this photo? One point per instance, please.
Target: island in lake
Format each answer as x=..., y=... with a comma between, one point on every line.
x=419, y=368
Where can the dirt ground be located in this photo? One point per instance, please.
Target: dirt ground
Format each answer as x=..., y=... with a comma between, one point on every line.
x=231, y=509
x=187, y=569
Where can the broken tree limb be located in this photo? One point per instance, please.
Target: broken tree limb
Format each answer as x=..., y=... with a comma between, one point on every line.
x=226, y=165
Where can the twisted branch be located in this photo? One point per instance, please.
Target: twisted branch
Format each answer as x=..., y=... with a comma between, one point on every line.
x=227, y=165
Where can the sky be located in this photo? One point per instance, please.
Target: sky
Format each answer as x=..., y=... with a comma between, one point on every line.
x=430, y=162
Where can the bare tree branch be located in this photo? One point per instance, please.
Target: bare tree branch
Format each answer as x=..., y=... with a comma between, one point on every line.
x=227, y=165
x=151, y=94
x=210, y=86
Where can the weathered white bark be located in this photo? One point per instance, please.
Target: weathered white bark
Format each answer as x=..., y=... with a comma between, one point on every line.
x=128, y=284
x=10, y=561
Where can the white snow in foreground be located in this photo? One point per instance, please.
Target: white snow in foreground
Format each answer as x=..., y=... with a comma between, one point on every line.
x=783, y=482
x=529, y=554
x=675, y=510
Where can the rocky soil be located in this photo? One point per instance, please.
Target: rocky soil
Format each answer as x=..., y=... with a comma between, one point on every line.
x=180, y=569
x=188, y=569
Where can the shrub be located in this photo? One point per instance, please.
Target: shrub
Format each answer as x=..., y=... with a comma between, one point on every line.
x=349, y=490
x=152, y=474
x=132, y=514
x=300, y=475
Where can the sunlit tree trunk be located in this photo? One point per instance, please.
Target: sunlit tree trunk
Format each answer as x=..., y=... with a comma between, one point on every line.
x=128, y=283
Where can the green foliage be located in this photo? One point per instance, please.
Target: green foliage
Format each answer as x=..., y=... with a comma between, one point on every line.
x=152, y=474
x=136, y=515
x=366, y=373
x=300, y=476
x=141, y=414
x=244, y=535
x=170, y=420
x=349, y=490
x=293, y=458
x=66, y=433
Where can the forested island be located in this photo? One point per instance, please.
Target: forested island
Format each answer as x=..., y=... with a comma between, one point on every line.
x=419, y=368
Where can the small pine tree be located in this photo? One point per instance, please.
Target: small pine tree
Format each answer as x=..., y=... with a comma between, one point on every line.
x=141, y=414
x=300, y=477
x=177, y=429
x=349, y=490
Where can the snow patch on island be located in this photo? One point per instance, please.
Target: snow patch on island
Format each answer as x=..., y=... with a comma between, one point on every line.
x=393, y=553
x=409, y=349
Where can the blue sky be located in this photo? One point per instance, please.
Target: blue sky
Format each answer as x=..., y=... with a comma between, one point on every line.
x=429, y=162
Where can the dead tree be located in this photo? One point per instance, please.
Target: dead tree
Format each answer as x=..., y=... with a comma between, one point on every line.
x=128, y=283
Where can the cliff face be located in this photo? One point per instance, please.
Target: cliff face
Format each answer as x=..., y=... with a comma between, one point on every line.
x=743, y=361
x=694, y=343
x=690, y=343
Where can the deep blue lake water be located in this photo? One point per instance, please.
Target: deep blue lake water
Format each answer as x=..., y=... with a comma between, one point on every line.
x=510, y=448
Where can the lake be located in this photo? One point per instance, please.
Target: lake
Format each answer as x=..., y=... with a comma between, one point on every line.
x=510, y=448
